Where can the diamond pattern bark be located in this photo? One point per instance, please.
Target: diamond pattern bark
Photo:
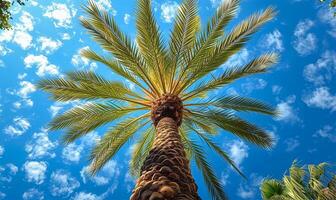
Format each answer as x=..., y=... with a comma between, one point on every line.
x=166, y=174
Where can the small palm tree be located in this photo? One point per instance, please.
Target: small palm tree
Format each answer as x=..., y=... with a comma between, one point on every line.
x=319, y=185
x=169, y=104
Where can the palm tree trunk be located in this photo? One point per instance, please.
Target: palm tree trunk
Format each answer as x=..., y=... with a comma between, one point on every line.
x=165, y=174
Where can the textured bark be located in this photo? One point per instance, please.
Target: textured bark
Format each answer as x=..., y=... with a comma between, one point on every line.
x=165, y=174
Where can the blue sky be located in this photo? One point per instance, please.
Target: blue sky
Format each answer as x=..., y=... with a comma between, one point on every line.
x=46, y=40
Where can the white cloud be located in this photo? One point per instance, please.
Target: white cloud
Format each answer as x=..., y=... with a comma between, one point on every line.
x=273, y=41
x=327, y=132
x=322, y=70
x=238, y=59
x=253, y=84
x=24, y=91
x=168, y=11
x=42, y=64
x=22, y=76
x=48, y=45
x=287, y=112
x=40, y=146
x=109, y=172
x=66, y=36
x=19, y=127
x=6, y=35
x=321, y=98
x=26, y=22
x=19, y=34
x=327, y=16
x=127, y=18
x=72, y=153
x=35, y=171
x=292, y=143
x=12, y=168
x=249, y=191
x=60, y=13
x=2, y=150
x=54, y=109
x=215, y=3
x=106, y=4
x=274, y=136
x=304, y=43
x=62, y=183
x=33, y=194
x=23, y=39
x=238, y=151
x=7, y=172
x=26, y=88
x=85, y=196
x=81, y=62
x=245, y=192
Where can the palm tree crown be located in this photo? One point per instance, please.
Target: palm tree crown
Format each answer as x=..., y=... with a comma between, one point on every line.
x=172, y=79
x=303, y=183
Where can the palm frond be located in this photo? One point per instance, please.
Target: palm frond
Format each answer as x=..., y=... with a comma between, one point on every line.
x=88, y=111
x=237, y=126
x=141, y=151
x=183, y=36
x=231, y=43
x=63, y=89
x=106, y=32
x=257, y=65
x=206, y=126
x=206, y=42
x=113, y=140
x=213, y=184
x=150, y=43
x=216, y=148
x=272, y=189
x=237, y=103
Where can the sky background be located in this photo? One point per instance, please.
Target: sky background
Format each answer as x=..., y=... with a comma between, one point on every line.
x=45, y=41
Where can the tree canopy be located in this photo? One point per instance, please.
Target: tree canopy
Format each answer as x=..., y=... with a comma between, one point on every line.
x=5, y=14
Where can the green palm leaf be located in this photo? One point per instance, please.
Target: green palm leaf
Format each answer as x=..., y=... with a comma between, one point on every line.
x=141, y=151
x=257, y=65
x=183, y=36
x=213, y=184
x=237, y=126
x=216, y=148
x=150, y=42
x=237, y=103
x=113, y=140
x=272, y=190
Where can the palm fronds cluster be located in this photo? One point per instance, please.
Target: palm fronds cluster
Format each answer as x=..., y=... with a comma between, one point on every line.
x=313, y=182
x=182, y=66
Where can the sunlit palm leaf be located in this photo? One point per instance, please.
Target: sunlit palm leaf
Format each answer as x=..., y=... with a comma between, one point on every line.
x=183, y=36
x=113, y=140
x=272, y=190
x=106, y=32
x=150, y=43
x=206, y=42
x=141, y=151
x=213, y=184
x=238, y=127
x=215, y=148
x=238, y=103
x=258, y=65
x=228, y=46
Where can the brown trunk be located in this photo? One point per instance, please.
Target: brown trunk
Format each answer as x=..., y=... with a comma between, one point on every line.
x=165, y=174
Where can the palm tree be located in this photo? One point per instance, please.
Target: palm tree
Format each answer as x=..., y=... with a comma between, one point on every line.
x=169, y=103
x=319, y=185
